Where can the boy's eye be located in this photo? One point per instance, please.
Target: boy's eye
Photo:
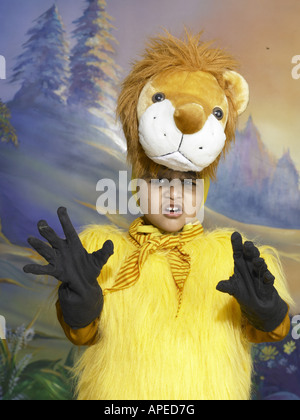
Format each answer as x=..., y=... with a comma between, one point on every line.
x=189, y=182
x=162, y=181
x=159, y=182
x=165, y=181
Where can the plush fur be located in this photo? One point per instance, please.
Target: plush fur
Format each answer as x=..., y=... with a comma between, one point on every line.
x=146, y=352
x=169, y=54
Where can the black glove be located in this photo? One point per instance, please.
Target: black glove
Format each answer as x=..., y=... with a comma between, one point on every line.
x=80, y=295
x=252, y=285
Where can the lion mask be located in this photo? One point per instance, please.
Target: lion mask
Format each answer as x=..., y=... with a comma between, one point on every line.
x=179, y=106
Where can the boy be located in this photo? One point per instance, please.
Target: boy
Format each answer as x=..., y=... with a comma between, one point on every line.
x=155, y=306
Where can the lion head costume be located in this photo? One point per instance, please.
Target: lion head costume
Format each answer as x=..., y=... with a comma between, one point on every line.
x=179, y=106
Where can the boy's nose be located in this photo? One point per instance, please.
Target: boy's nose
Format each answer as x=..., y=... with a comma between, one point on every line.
x=174, y=192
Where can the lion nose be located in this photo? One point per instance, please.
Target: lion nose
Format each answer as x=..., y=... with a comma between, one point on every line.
x=189, y=118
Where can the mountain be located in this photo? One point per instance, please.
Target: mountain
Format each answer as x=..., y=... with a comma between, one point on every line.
x=282, y=196
x=253, y=187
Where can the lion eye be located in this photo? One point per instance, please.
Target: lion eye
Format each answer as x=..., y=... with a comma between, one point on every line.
x=158, y=97
x=218, y=113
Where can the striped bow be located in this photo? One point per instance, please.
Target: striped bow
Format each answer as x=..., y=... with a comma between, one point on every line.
x=149, y=239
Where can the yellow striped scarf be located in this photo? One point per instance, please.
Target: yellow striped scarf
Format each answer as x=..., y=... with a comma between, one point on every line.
x=148, y=239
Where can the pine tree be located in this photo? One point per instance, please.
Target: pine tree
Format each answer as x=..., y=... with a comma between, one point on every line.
x=43, y=68
x=94, y=74
x=7, y=131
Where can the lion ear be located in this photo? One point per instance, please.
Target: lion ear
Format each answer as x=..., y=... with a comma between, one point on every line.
x=239, y=88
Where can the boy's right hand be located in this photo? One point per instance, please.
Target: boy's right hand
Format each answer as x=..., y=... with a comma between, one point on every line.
x=80, y=295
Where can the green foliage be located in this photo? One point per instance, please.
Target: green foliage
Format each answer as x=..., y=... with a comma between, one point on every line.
x=24, y=379
x=7, y=131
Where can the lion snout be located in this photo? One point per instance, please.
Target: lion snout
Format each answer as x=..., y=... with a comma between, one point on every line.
x=189, y=118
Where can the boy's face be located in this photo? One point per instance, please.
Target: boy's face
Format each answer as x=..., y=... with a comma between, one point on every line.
x=172, y=200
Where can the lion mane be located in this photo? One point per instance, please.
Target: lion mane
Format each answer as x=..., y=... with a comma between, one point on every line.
x=167, y=53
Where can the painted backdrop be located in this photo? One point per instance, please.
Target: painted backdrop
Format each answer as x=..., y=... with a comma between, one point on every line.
x=61, y=65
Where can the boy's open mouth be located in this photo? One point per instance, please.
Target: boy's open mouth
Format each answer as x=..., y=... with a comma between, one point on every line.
x=172, y=210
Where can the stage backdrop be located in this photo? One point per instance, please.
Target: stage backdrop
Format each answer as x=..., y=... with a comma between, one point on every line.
x=61, y=65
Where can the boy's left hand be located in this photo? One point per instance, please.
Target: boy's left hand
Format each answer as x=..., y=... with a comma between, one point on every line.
x=252, y=285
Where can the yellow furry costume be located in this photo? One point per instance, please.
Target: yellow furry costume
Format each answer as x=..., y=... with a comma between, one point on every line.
x=141, y=350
